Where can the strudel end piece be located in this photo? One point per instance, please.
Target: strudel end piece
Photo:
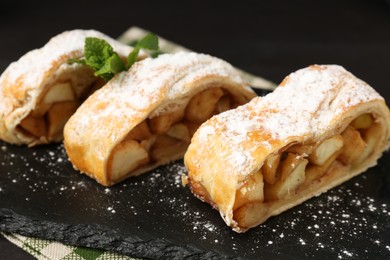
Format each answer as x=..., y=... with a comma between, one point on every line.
x=145, y=117
x=319, y=128
x=40, y=91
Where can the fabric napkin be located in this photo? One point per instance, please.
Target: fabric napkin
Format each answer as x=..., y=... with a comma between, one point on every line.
x=52, y=250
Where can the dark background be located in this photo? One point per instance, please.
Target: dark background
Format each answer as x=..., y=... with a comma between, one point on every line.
x=266, y=38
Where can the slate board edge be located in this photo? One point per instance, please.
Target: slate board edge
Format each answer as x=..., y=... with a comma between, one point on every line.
x=98, y=237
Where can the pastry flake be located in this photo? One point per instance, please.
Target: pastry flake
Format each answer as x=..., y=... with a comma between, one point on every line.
x=319, y=128
x=145, y=117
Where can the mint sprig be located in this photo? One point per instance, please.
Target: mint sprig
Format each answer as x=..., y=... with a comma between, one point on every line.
x=102, y=58
x=149, y=42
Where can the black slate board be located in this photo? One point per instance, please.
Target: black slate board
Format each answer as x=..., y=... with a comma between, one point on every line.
x=154, y=216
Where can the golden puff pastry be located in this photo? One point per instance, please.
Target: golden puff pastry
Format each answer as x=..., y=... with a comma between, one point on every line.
x=319, y=128
x=145, y=117
x=40, y=91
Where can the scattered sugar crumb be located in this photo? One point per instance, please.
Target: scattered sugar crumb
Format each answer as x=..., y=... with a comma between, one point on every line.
x=327, y=221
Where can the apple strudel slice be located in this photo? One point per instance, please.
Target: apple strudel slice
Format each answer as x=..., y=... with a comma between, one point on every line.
x=145, y=117
x=40, y=91
x=319, y=128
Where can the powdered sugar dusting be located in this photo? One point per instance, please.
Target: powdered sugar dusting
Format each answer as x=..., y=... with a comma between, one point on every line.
x=169, y=75
x=24, y=81
x=205, y=131
x=302, y=108
x=33, y=65
x=150, y=86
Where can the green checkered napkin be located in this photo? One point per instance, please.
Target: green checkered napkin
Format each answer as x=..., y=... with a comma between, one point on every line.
x=51, y=250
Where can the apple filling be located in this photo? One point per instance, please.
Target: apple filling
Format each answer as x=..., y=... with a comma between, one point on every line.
x=164, y=138
x=298, y=167
x=59, y=100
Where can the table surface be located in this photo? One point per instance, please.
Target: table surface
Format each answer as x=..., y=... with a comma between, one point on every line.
x=270, y=39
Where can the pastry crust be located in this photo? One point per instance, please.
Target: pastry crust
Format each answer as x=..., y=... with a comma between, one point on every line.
x=319, y=128
x=145, y=117
x=25, y=85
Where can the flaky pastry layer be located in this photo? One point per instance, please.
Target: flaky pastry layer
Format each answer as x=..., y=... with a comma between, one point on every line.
x=146, y=116
x=40, y=90
x=319, y=128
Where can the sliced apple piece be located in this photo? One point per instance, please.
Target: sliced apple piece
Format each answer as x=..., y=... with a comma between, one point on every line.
x=192, y=127
x=302, y=149
x=354, y=146
x=59, y=92
x=161, y=124
x=251, y=190
x=315, y=172
x=363, y=122
x=81, y=78
x=326, y=149
x=166, y=147
x=250, y=214
x=179, y=131
x=201, y=106
x=34, y=125
x=270, y=168
x=140, y=132
x=58, y=115
x=126, y=157
x=148, y=143
x=200, y=191
x=371, y=136
x=224, y=104
x=292, y=175
x=40, y=109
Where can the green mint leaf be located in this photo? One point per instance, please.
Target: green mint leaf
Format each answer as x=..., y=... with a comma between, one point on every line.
x=133, y=43
x=155, y=54
x=117, y=65
x=106, y=76
x=132, y=58
x=111, y=66
x=149, y=42
x=102, y=58
x=79, y=61
x=96, y=52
